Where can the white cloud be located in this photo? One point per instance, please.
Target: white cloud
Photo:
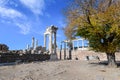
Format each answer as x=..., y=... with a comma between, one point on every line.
x=36, y=6
x=10, y=13
x=61, y=24
x=13, y=3
x=25, y=28
x=16, y=18
x=3, y=2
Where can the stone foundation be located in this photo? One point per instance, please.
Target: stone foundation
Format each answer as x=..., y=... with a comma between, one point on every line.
x=53, y=57
x=10, y=57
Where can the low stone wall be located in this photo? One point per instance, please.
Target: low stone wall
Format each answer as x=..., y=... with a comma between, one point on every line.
x=10, y=57
x=81, y=54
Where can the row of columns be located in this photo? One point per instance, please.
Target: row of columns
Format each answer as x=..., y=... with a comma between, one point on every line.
x=51, y=32
x=50, y=41
x=34, y=44
x=73, y=43
x=65, y=46
x=78, y=43
x=64, y=50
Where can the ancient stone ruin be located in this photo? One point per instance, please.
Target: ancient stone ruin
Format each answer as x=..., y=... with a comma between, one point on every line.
x=34, y=49
x=69, y=49
x=33, y=52
x=51, y=32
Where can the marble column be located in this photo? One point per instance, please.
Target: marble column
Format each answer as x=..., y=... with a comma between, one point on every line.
x=55, y=45
x=45, y=40
x=33, y=42
x=82, y=43
x=64, y=50
x=36, y=44
x=50, y=43
x=77, y=44
x=54, y=54
x=28, y=46
x=61, y=51
x=73, y=45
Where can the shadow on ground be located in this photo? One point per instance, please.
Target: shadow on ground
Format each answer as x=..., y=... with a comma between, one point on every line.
x=104, y=63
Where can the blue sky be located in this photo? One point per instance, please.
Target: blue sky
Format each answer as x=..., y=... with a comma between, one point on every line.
x=20, y=20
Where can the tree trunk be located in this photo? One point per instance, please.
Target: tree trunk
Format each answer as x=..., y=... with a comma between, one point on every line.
x=111, y=59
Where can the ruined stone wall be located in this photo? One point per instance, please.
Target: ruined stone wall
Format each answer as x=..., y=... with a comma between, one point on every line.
x=10, y=57
x=81, y=54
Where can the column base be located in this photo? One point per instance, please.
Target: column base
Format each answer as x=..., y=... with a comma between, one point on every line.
x=53, y=57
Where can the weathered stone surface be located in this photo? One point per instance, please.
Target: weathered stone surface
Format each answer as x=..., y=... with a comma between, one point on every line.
x=52, y=46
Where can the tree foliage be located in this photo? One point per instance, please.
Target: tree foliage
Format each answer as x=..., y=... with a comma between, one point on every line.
x=98, y=21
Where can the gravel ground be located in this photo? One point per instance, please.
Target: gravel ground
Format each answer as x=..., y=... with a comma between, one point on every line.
x=59, y=70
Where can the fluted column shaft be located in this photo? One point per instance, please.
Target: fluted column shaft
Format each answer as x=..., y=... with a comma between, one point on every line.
x=55, y=43
x=50, y=43
x=83, y=43
x=45, y=40
x=33, y=42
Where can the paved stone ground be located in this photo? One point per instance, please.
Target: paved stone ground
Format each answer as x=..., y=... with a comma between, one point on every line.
x=59, y=70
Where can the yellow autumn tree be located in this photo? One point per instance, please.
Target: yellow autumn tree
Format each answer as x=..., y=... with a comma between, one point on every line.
x=98, y=21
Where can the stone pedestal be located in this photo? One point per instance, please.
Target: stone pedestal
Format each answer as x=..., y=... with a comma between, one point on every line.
x=53, y=57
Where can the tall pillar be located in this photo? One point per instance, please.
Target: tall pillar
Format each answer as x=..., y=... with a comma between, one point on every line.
x=53, y=54
x=77, y=44
x=82, y=43
x=73, y=45
x=55, y=45
x=61, y=51
x=33, y=42
x=36, y=44
x=64, y=50
x=50, y=43
x=88, y=44
x=28, y=46
x=45, y=40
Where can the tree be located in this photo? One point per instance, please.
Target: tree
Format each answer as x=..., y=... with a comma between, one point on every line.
x=98, y=21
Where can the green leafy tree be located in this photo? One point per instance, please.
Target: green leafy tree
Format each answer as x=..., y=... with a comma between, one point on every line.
x=98, y=21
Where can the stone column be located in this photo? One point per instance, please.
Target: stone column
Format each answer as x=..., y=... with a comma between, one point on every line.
x=64, y=50
x=45, y=40
x=77, y=44
x=28, y=46
x=55, y=45
x=70, y=47
x=36, y=44
x=54, y=55
x=73, y=45
x=50, y=43
x=82, y=43
x=33, y=42
x=88, y=44
x=61, y=51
